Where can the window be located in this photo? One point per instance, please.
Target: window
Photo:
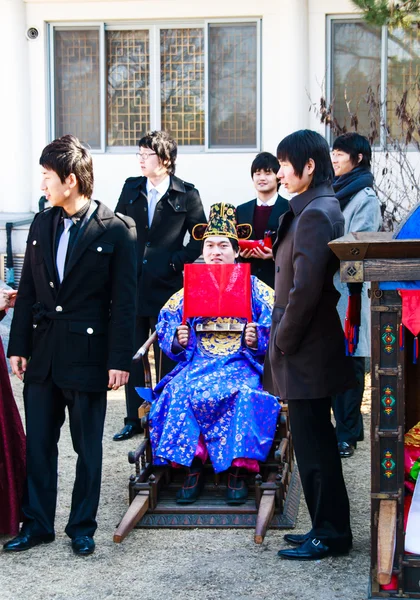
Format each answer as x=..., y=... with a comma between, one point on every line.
x=111, y=84
x=364, y=56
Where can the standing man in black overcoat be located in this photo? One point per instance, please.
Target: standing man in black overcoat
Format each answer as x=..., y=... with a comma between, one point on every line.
x=262, y=214
x=71, y=338
x=306, y=364
x=165, y=209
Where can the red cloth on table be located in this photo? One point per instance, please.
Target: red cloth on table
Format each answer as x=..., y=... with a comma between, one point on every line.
x=220, y=290
x=411, y=310
x=12, y=455
x=410, y=317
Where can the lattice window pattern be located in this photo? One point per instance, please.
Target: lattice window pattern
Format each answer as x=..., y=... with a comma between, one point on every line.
x=182, y=84
x=128, y=68
x=76, y=84
x=233, y=84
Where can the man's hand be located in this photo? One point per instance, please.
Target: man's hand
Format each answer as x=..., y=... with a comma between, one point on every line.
x=18, y=364
x=183, y=335
x=251, y=337
x=247, y=253
x=117, y=378
x=264, y=253
x=12, y=297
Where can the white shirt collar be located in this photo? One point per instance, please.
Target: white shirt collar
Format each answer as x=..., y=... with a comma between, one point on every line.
x=161, y=189
x=270, y=202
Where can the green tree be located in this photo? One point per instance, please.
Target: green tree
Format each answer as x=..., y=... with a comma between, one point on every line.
x=388, y=12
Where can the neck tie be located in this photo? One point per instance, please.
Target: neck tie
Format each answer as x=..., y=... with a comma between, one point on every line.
x=62, y=248
x=152, y=204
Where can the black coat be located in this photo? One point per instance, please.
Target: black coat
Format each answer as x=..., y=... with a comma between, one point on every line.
x=263, y=269
x=80, y=329
x=306, y=358
x=161, y=252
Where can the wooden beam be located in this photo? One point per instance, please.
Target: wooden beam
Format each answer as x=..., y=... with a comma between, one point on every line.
x=387, y=533
x=135, y=512
x=265, y=514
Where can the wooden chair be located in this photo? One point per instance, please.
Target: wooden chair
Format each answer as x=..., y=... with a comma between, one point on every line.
x=273, y=495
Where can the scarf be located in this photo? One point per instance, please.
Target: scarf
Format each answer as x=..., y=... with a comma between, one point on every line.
x=349, y=184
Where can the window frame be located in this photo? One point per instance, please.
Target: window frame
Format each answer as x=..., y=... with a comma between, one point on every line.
x=351, y=18
x=154, y=28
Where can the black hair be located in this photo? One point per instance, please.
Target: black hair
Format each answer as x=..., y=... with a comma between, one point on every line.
x=164, y=145
x=354, y=144
x=66, y=155
x=234, y=243
x=265, y=161
x=299, y=147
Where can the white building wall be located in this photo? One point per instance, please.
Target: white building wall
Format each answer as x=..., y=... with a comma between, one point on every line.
x=293, y=68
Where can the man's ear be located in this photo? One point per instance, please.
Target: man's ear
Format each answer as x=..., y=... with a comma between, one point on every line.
x=310, y=166
x=359, y=158
x=71, y=180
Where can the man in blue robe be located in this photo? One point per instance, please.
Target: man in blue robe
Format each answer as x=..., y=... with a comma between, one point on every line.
x=212, y=403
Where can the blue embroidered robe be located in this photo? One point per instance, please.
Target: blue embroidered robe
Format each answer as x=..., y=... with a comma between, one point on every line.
x=215, y=390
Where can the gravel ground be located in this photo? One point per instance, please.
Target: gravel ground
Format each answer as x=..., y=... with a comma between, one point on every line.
x=182, y=564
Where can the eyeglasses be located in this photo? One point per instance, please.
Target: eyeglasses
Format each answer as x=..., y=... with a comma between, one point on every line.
x=144, y=155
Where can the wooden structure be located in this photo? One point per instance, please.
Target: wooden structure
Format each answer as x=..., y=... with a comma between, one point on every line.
x=273, y=495
x=376, y=257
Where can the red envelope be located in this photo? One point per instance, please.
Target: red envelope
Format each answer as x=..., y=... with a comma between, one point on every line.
x=250, y=244
x=217, y=291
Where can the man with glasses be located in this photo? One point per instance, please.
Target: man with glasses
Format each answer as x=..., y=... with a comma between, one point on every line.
x=164, y=208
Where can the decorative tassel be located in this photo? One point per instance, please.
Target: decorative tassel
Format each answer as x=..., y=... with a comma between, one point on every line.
x=401, y=336
x=416, y=350
x=346, y=343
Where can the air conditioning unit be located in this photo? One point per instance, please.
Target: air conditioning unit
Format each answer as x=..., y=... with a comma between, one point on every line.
x=17, y=265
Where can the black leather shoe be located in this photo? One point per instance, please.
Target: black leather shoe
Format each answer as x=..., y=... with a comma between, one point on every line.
x=192, y=486
x=296, y=538
x=26, y=541
x=345, y=450
x=237, y=489
x=126, y=433
x=83, y=545
x=313, y=549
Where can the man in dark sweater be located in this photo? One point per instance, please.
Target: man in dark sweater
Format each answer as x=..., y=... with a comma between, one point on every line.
x=262, y=214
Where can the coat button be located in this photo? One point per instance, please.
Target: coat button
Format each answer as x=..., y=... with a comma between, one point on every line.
x=59, y=309
x=148, y=244
x=34, y=326
x=177, y=207
x=89, y=330
x=278, y=270
x=145, y=261
x=145, y=208
x=51, y=284
x=99, y=248
x=146, y=227
x=34, y=243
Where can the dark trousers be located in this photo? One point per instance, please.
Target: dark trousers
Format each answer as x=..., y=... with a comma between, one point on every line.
x=144, y=327
x=45, y=413
x=320, y=470
x=346, y=407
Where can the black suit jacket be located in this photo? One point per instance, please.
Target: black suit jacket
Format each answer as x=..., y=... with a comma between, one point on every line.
x=306, y=358
x=80, y=329
x=161, y=252
x=263, y=269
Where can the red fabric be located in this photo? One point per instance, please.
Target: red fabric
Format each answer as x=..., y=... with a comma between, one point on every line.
x=217, y=291
x=12, y=455
x=411, y=310
x=391, y=586
x=251, y=244
x=352, y=322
